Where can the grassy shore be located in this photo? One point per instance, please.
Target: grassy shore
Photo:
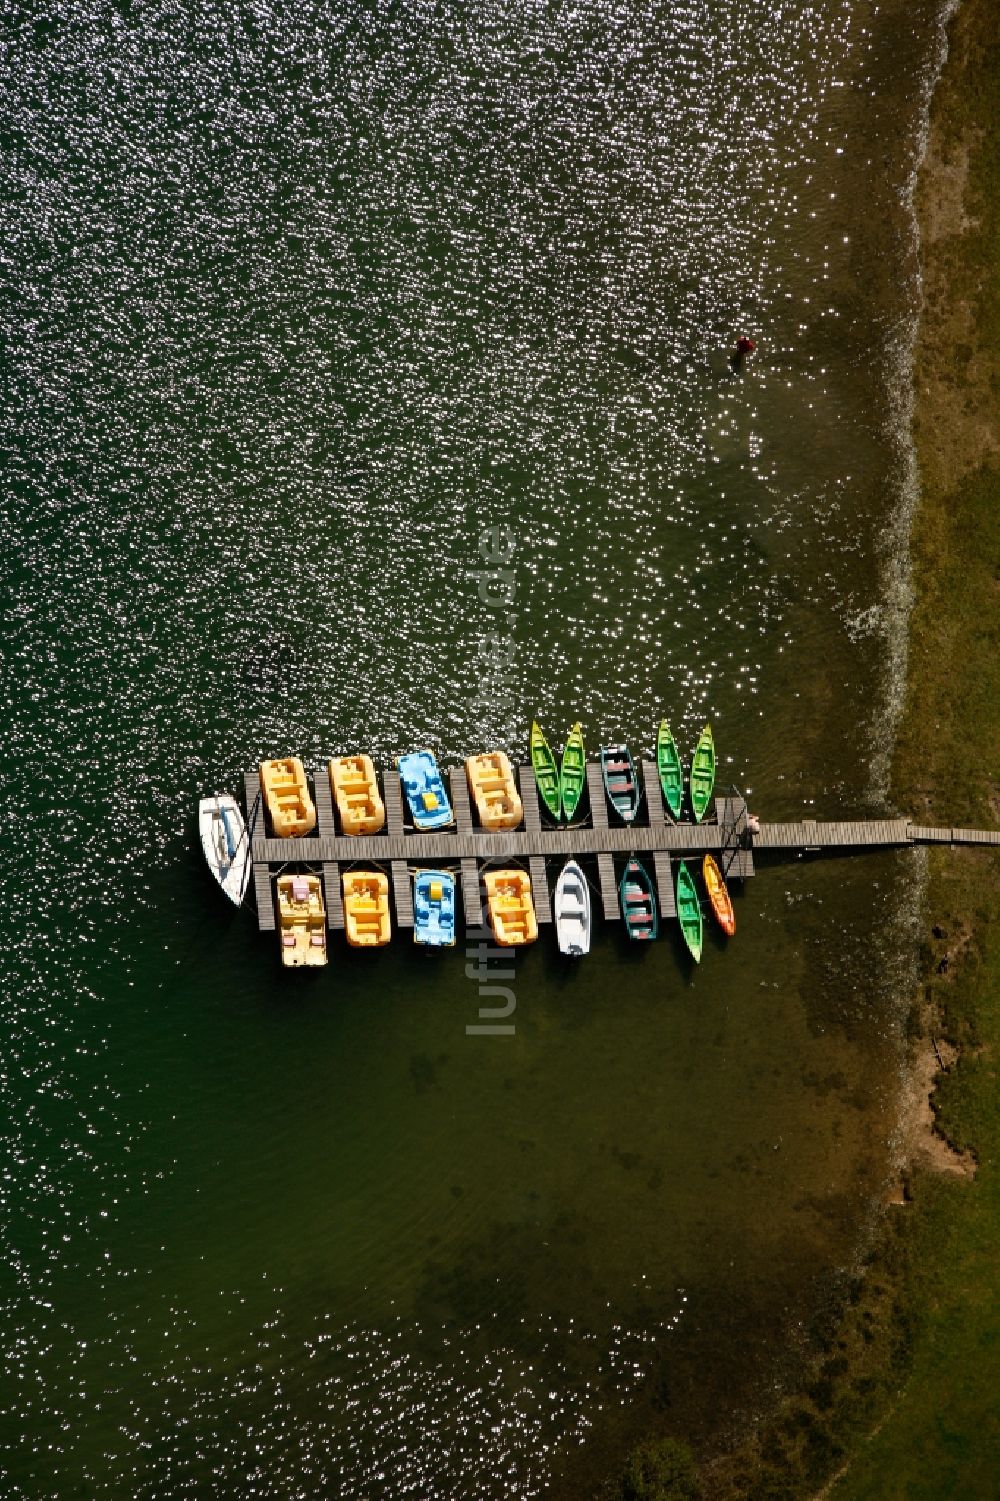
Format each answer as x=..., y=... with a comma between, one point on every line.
x=902, y=1399
x=938, y=1432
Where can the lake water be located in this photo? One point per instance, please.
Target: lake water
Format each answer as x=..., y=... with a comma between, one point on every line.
x=297, y=304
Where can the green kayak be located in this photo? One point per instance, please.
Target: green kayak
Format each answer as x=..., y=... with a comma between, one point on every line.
x=573, y=773
x=546, y=770
x=668, y=764
x=702, y=774
x=689, y=911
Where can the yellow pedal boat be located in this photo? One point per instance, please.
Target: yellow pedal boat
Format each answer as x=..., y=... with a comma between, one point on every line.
x=286, y=793
x=512, y=912
x=301, y=921
x=494, y=791
x=355, y=790
x=366, y=908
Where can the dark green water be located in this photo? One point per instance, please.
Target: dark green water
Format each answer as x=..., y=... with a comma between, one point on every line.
x=295, y=303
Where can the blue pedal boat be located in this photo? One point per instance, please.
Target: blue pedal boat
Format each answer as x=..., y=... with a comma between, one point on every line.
x=424, y=788
x=434, y=909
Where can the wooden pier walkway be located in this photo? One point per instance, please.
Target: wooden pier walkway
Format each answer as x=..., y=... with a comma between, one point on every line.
x=467, y=849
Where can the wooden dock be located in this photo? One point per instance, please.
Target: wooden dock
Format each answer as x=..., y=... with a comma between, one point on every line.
x=597, y=841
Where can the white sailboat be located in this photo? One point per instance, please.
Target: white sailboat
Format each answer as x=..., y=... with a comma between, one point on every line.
x=571, y=910
x=226, y=843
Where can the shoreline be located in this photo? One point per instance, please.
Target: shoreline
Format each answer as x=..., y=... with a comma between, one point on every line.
x=913, y=1332
x=938, y=1304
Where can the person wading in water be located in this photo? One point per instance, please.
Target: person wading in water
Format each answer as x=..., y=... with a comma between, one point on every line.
x=744, y=348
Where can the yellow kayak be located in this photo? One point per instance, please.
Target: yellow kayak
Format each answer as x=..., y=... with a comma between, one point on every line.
x=494, y=791
x=366, y=908
x=355, y=790
x=512, y=912
x=301, y=921
x=286, y=793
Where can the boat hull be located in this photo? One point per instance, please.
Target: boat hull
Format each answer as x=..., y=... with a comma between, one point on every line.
x=638, y=903
x=618, y=771
x=511, y=909
x=718, y=895
x=424, y=787
x=572, y=772
x=702, y=780
x=286, y=792
x=354, y=785
x=494, y=791
x=434, y=909
x=571, y=911
x=671, y=773
x=546, y=771
x=225, y=844
x=689, y=911
x=301, y=922
x=366, y=909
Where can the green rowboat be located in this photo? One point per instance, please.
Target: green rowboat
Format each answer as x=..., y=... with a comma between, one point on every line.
x=689, y=911
x=546, y=770
x=573, y=772
x=702, y=774
x=668, y=764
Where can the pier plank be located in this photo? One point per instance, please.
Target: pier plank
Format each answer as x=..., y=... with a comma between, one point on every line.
x=402, y=894
x=323, y=798
x=529, y=799
x=609, y=887
x=392, y=797
x=665, y=885
x=598, y=798
x=472, y=895
x=333, y=893
x=265, y=898
x=540, y=888
x=254, y=807
x=459, y=784
x=654, y=793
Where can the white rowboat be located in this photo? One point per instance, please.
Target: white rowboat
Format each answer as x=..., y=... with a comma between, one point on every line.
x=571, y=911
